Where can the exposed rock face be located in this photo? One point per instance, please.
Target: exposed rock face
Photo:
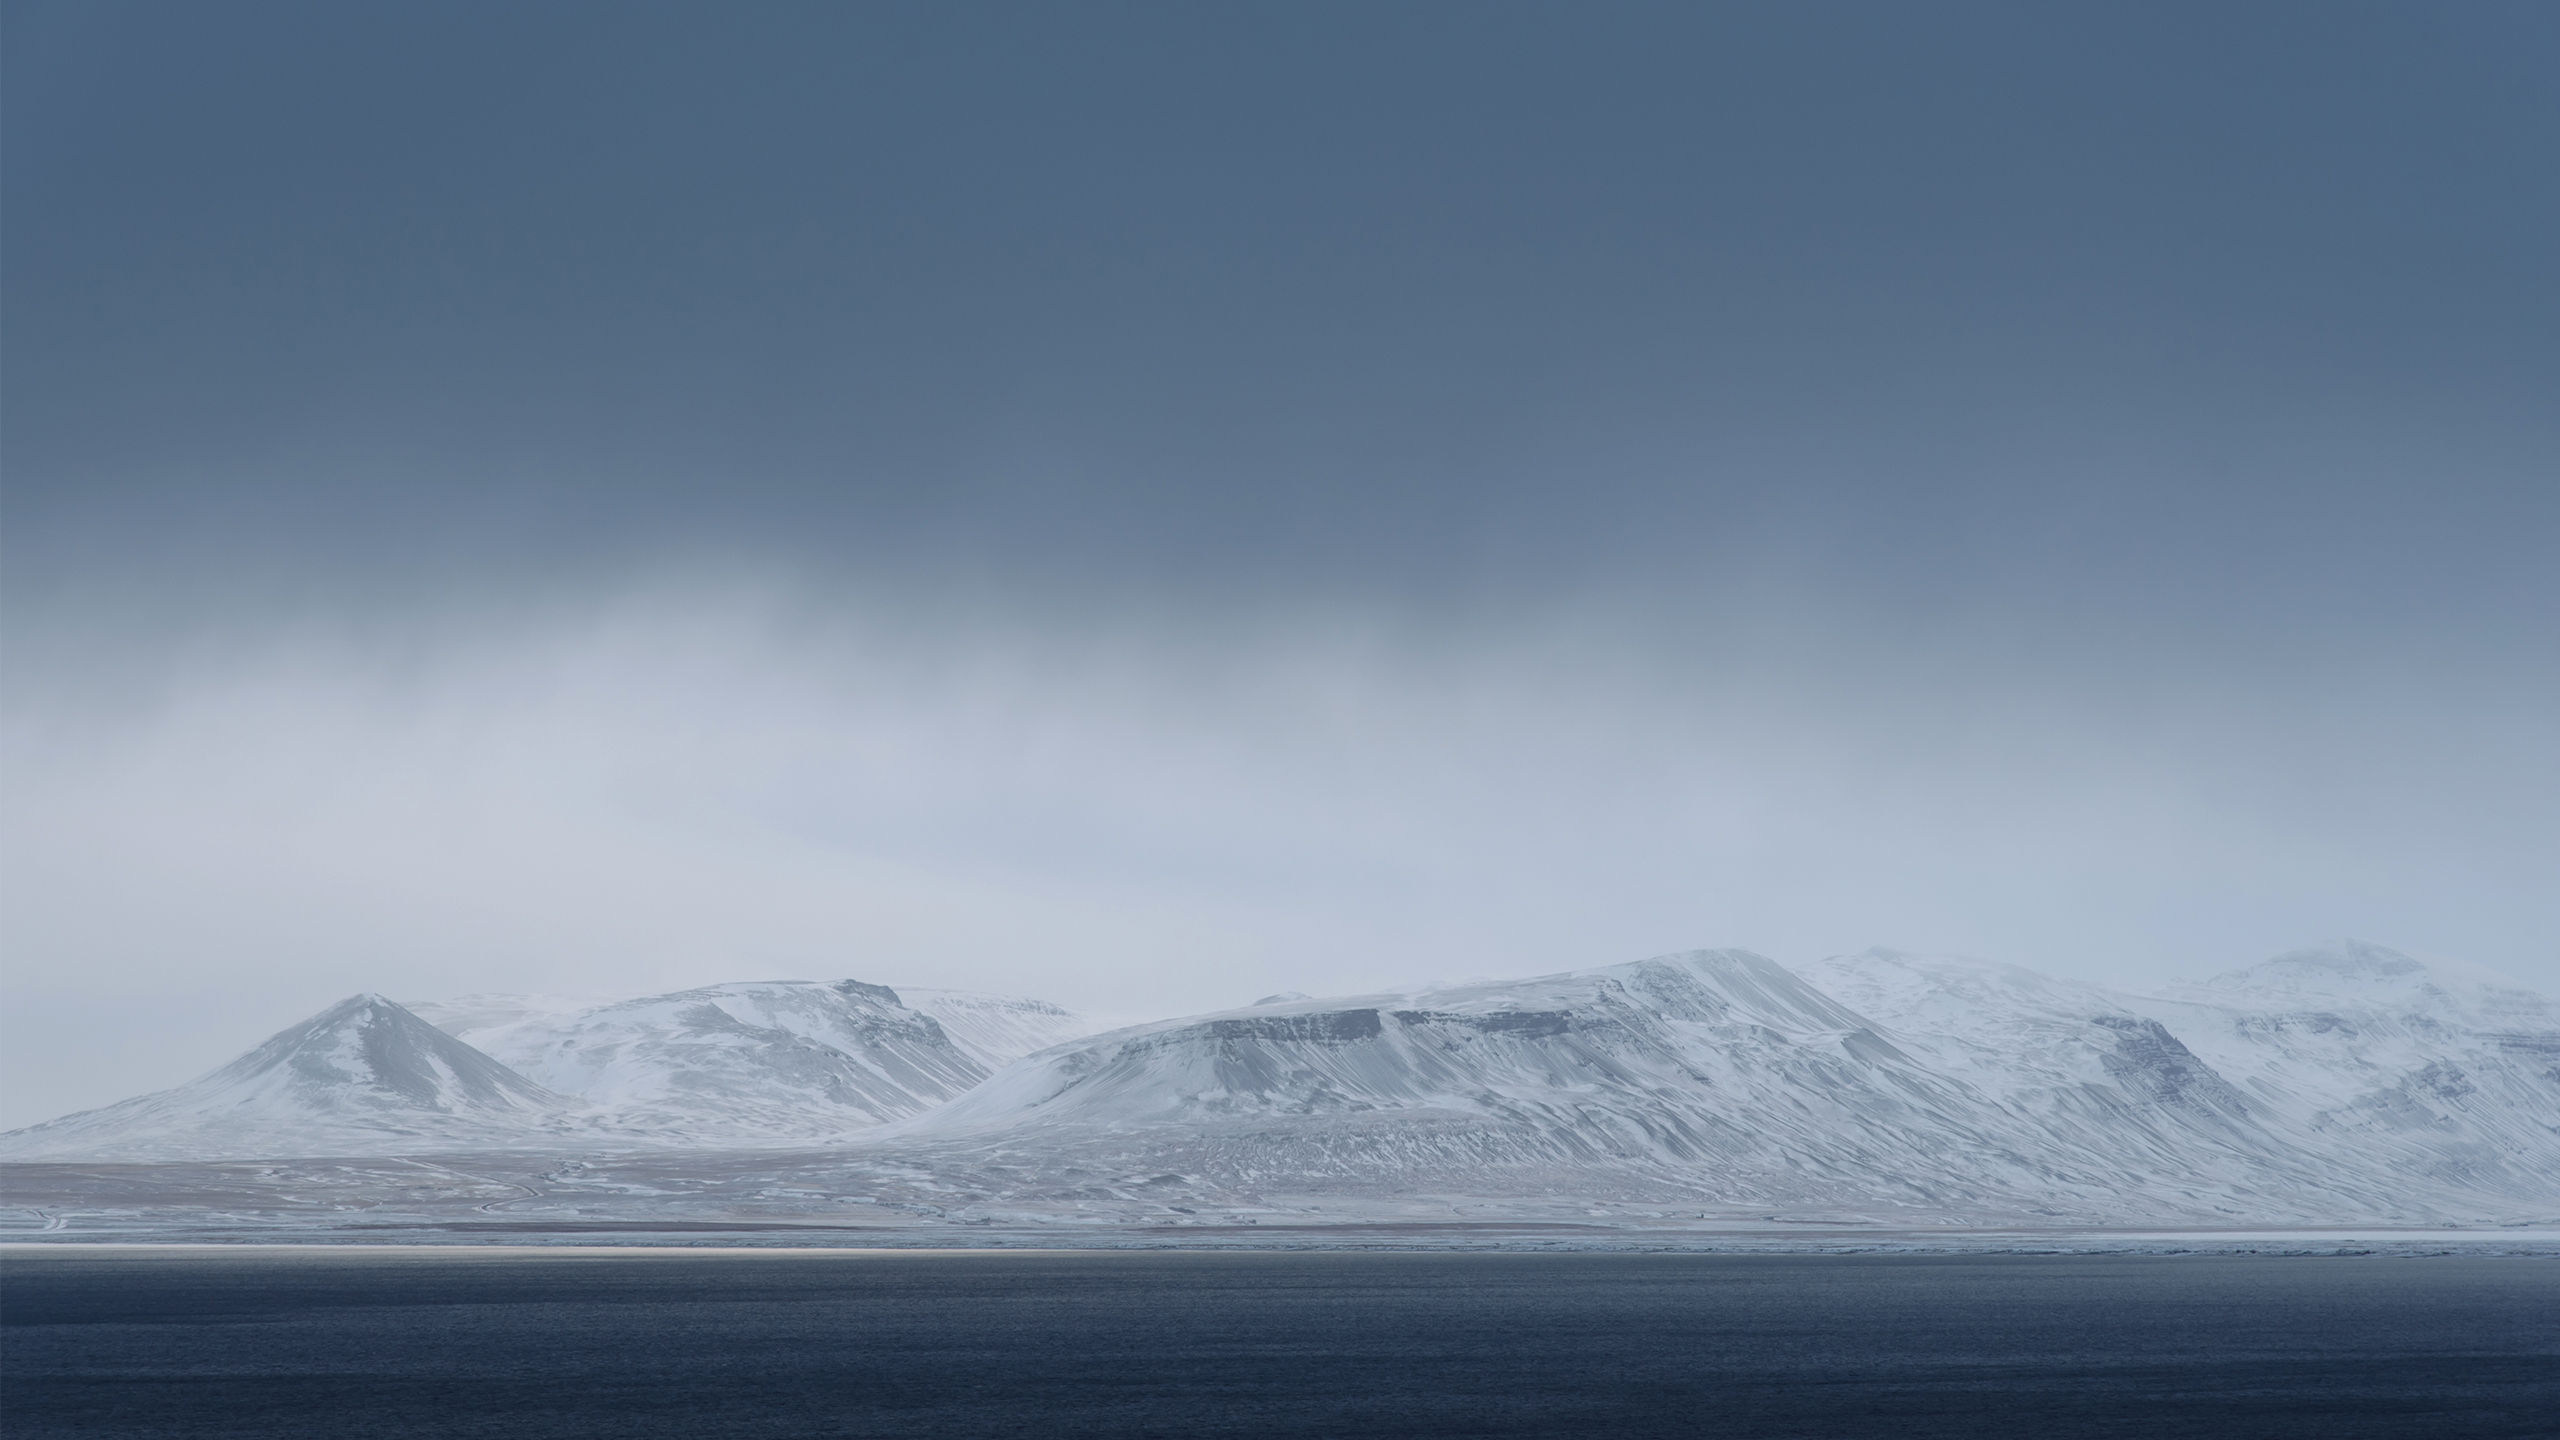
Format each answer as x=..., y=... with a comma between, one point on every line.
x=2149, y=1059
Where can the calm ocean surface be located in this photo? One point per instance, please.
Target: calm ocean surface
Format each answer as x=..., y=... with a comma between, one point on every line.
x=356, y=1343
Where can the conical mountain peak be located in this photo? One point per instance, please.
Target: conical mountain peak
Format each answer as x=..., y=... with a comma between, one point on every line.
x=363, y=1076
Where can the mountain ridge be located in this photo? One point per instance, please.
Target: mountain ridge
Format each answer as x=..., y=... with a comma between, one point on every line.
x=2338, y=1085
x=747, y=1062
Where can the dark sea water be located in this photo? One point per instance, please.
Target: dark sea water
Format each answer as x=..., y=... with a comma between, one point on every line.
x=356, y=1343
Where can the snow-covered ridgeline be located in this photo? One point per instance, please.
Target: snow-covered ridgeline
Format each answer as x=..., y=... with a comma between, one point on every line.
x=1897, y=1084
x=2434, y=1077
x=759, y=1061
x=2343, y=1085
x=750, y=1064
x=2435, y=1069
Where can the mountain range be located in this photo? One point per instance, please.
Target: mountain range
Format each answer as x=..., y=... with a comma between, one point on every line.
x=2345, y=1084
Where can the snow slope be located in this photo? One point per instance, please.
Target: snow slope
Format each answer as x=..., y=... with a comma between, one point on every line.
x=996, y=1030
x=1715, y=1076
x=2070, y=1052
x=2431, y=1087
x=757, y=1062
x=364, y=1077
x=2345, y=1085
x=2435, y=1071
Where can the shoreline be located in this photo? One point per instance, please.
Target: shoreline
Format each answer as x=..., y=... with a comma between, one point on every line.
x=565, y=1241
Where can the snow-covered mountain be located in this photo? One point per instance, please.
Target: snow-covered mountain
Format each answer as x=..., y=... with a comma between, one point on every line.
x=1717, y=1076
x=750, y=1063
x=1880, y=1084
x=2433, y=1082
x=363, y=1077
x=2074, y=1055
x=2428, y=1070
x=996, y=1030
x=2345, y=1085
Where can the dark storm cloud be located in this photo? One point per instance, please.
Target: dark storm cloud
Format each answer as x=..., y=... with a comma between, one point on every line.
x=1153, y=505
x=1402, y=297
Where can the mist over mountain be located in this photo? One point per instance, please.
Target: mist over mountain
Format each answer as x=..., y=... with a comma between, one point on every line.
x=2343, y=1085
x=1879, y=1084
x=1147, y=505
x=996, y=1030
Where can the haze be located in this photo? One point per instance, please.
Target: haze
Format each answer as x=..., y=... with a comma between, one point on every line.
x=1151, y=505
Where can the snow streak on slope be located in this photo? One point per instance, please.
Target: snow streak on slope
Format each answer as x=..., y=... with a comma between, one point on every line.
x=2433, y=1087
x=2350, y=1085
x=364, y=1077
x=1718, y=1076
x=2035, y=1045
x=752, y=1063
x=2436, y=1071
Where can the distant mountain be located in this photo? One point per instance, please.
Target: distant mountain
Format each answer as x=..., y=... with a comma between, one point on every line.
x=996, y=1030
x=757, y=1062
x=1883, y=1085
x=363, y=1077
x=2073, y=1057
x=2435, y=1072
x=2419, y=1086
x=1718, y=1076
x=2346, y=1084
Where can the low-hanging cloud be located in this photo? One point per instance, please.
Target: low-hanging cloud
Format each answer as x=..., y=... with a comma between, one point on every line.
x=719, y=780
x=1150, y=505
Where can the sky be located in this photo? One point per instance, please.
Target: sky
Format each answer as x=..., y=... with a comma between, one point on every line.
x=1149, y=505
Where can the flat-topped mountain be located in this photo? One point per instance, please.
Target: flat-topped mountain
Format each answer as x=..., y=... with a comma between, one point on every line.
x=1472, y=1048
x=1718, y=1075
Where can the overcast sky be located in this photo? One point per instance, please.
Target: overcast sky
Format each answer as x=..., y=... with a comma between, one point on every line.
x=1150, y=505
